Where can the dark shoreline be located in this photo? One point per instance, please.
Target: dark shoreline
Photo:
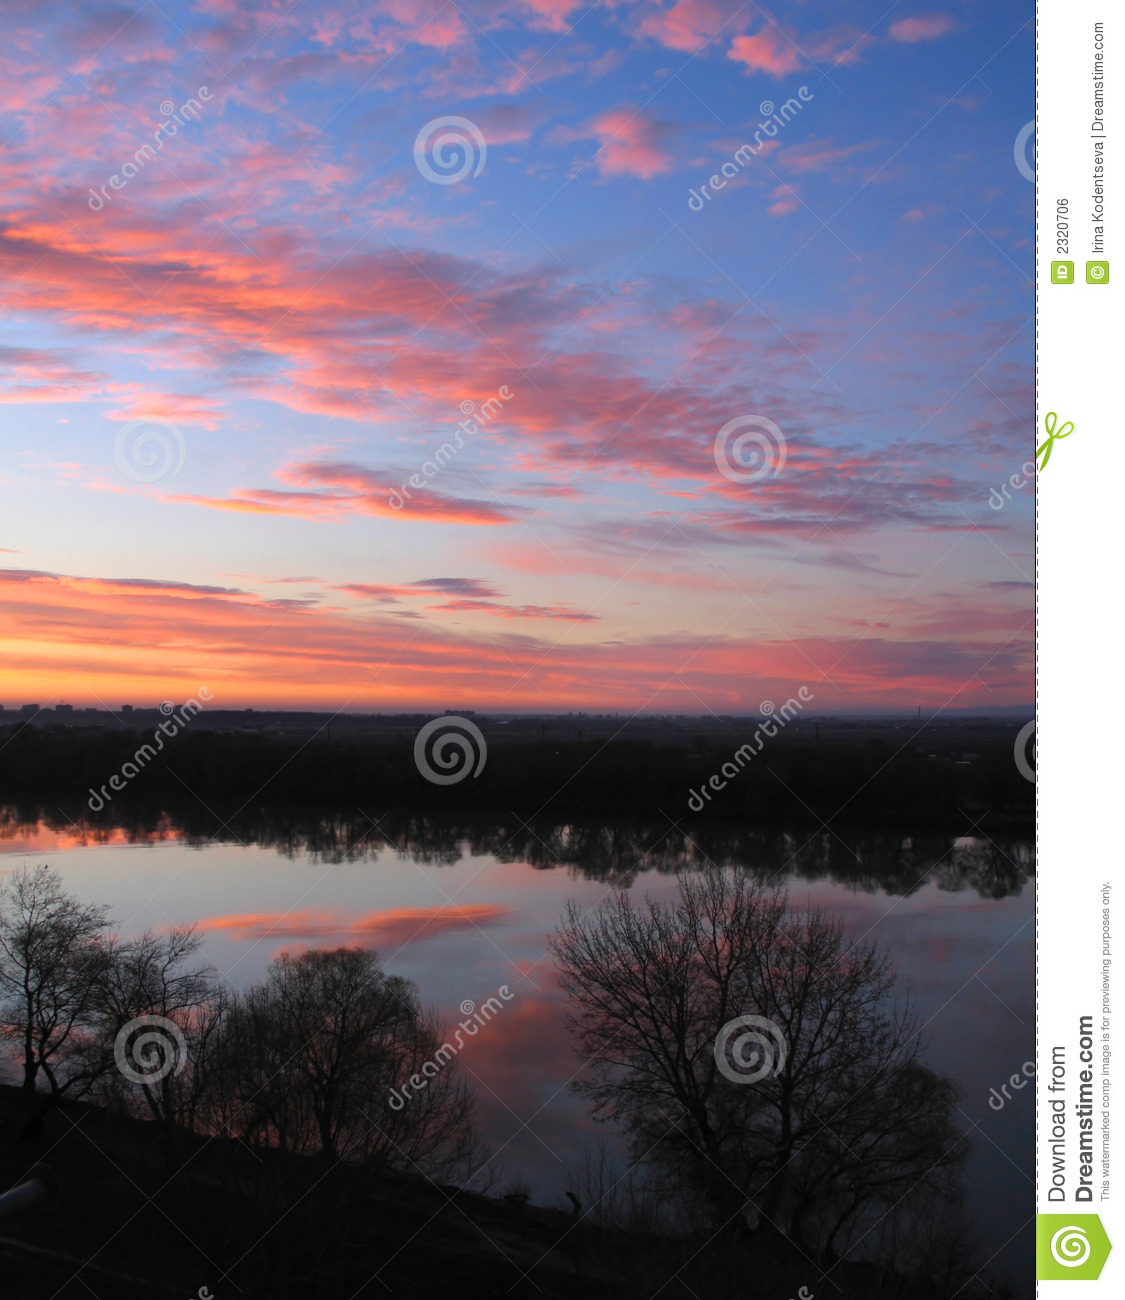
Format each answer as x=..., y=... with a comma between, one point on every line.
x=213, y=1221
x=944, y=779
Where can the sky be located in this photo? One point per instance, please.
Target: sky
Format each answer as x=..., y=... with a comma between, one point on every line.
x=318, y=400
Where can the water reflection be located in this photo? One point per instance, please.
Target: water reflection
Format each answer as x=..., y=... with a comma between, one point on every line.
x=613, y=852
x=461, y=908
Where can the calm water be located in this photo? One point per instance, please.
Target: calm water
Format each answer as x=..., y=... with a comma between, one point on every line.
x=462, y=916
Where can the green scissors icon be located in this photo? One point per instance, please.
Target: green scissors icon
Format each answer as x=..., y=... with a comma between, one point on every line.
x=1053, y=435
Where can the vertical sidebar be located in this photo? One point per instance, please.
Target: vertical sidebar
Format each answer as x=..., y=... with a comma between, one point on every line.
x=1080, y=1230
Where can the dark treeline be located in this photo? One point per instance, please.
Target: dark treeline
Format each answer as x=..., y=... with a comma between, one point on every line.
x=873, y=784
x=614, y=851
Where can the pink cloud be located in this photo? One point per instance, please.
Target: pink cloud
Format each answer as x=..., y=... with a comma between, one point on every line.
x=552, y=14
x=334, y=489
x=561, y=612
x=180, y=408
x=124, y=639
x=921, y=27
x=507, y=123
x=766, y=52
x=785, y=201
x=463, y=596
x=394, y=928
x=689, y=24
x=839, y=46
x=632, y=144
x=39, y=375
x=820, y=156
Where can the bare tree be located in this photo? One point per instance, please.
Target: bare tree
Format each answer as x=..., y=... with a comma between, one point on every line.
x=828, y=1124
x=52, y=954
x=313, y=1053
x=162, y=1013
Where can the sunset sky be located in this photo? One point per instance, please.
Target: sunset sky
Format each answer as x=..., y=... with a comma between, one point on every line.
x=284, y=299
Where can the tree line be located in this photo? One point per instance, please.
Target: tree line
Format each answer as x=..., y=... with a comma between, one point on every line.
x=792, y=782
x=300, y=1064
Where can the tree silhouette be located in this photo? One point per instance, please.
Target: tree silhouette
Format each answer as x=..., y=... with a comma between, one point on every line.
x=814, y=1118
x=52, y=955
x=153, y=978
x=311, y=1056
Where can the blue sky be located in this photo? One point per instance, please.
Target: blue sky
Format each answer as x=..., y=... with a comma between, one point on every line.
x=291, y=317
